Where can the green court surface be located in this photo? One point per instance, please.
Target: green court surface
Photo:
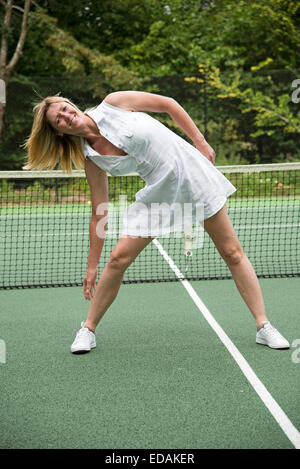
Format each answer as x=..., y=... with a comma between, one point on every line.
x=159, y=377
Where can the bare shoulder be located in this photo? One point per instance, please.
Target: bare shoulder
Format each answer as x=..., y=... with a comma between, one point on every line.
x=140, y=101
x=121, y=99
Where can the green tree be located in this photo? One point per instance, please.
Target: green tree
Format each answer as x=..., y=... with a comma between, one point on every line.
x=9, y=59
x=94, y=47
x=79, y=72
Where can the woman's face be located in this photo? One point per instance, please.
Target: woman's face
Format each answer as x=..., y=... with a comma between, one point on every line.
x=65, y=118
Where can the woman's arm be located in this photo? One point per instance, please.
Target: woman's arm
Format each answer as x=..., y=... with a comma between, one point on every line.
x=140, y=101
x=97, y=179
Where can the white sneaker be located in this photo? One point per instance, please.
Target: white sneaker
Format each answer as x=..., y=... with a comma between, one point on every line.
x=270, y=336
x=84, y=341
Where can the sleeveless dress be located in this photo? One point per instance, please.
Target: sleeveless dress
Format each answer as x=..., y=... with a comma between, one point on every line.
x=183, y=187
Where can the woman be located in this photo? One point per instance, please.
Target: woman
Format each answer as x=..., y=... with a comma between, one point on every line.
x=119, y=137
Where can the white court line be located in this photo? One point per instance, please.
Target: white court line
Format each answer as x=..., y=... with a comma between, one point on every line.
x=281, y=418
x=87, y=213
x=24, y=216
x=272, y=208
x=267, y=227
x=19, y=234
x=43, y=235
x=63, y=215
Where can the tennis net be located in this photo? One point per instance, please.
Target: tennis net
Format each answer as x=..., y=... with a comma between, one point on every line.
x=44, y=228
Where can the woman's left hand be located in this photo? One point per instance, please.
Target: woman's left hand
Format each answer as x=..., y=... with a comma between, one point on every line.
x=206, y=150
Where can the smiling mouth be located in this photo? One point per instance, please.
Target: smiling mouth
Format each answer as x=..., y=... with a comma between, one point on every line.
x=72, y=119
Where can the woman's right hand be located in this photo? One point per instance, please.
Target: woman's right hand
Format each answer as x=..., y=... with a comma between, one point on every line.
x=206, y=150
x=89, y=283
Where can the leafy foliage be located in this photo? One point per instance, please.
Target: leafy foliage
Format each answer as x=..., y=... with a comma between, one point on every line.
x=239, y=58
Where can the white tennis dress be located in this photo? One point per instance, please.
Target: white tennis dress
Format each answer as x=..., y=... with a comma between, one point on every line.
x=182, y=187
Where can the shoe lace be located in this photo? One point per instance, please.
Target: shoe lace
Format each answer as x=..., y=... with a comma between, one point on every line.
x=270, y=330
x=83, y=331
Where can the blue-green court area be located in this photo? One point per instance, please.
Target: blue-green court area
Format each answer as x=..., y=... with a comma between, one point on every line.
x=160, y=377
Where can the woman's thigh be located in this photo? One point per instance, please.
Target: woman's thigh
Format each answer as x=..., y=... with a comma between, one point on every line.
x=221, y=231
x=128, y=248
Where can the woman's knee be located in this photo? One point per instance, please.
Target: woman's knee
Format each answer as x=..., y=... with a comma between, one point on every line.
x=119, y=260
x=232, y=253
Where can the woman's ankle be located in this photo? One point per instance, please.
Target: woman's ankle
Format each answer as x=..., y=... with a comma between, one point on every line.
x=90, y=327
x=260, y=323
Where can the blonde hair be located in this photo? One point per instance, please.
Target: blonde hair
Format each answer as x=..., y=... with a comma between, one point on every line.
x=45, y=149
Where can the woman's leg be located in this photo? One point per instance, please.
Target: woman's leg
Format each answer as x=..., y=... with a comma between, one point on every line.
x=221, y=231
x=124, y=253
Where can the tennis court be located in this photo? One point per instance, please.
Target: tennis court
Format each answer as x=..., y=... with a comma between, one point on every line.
x=176, y=364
